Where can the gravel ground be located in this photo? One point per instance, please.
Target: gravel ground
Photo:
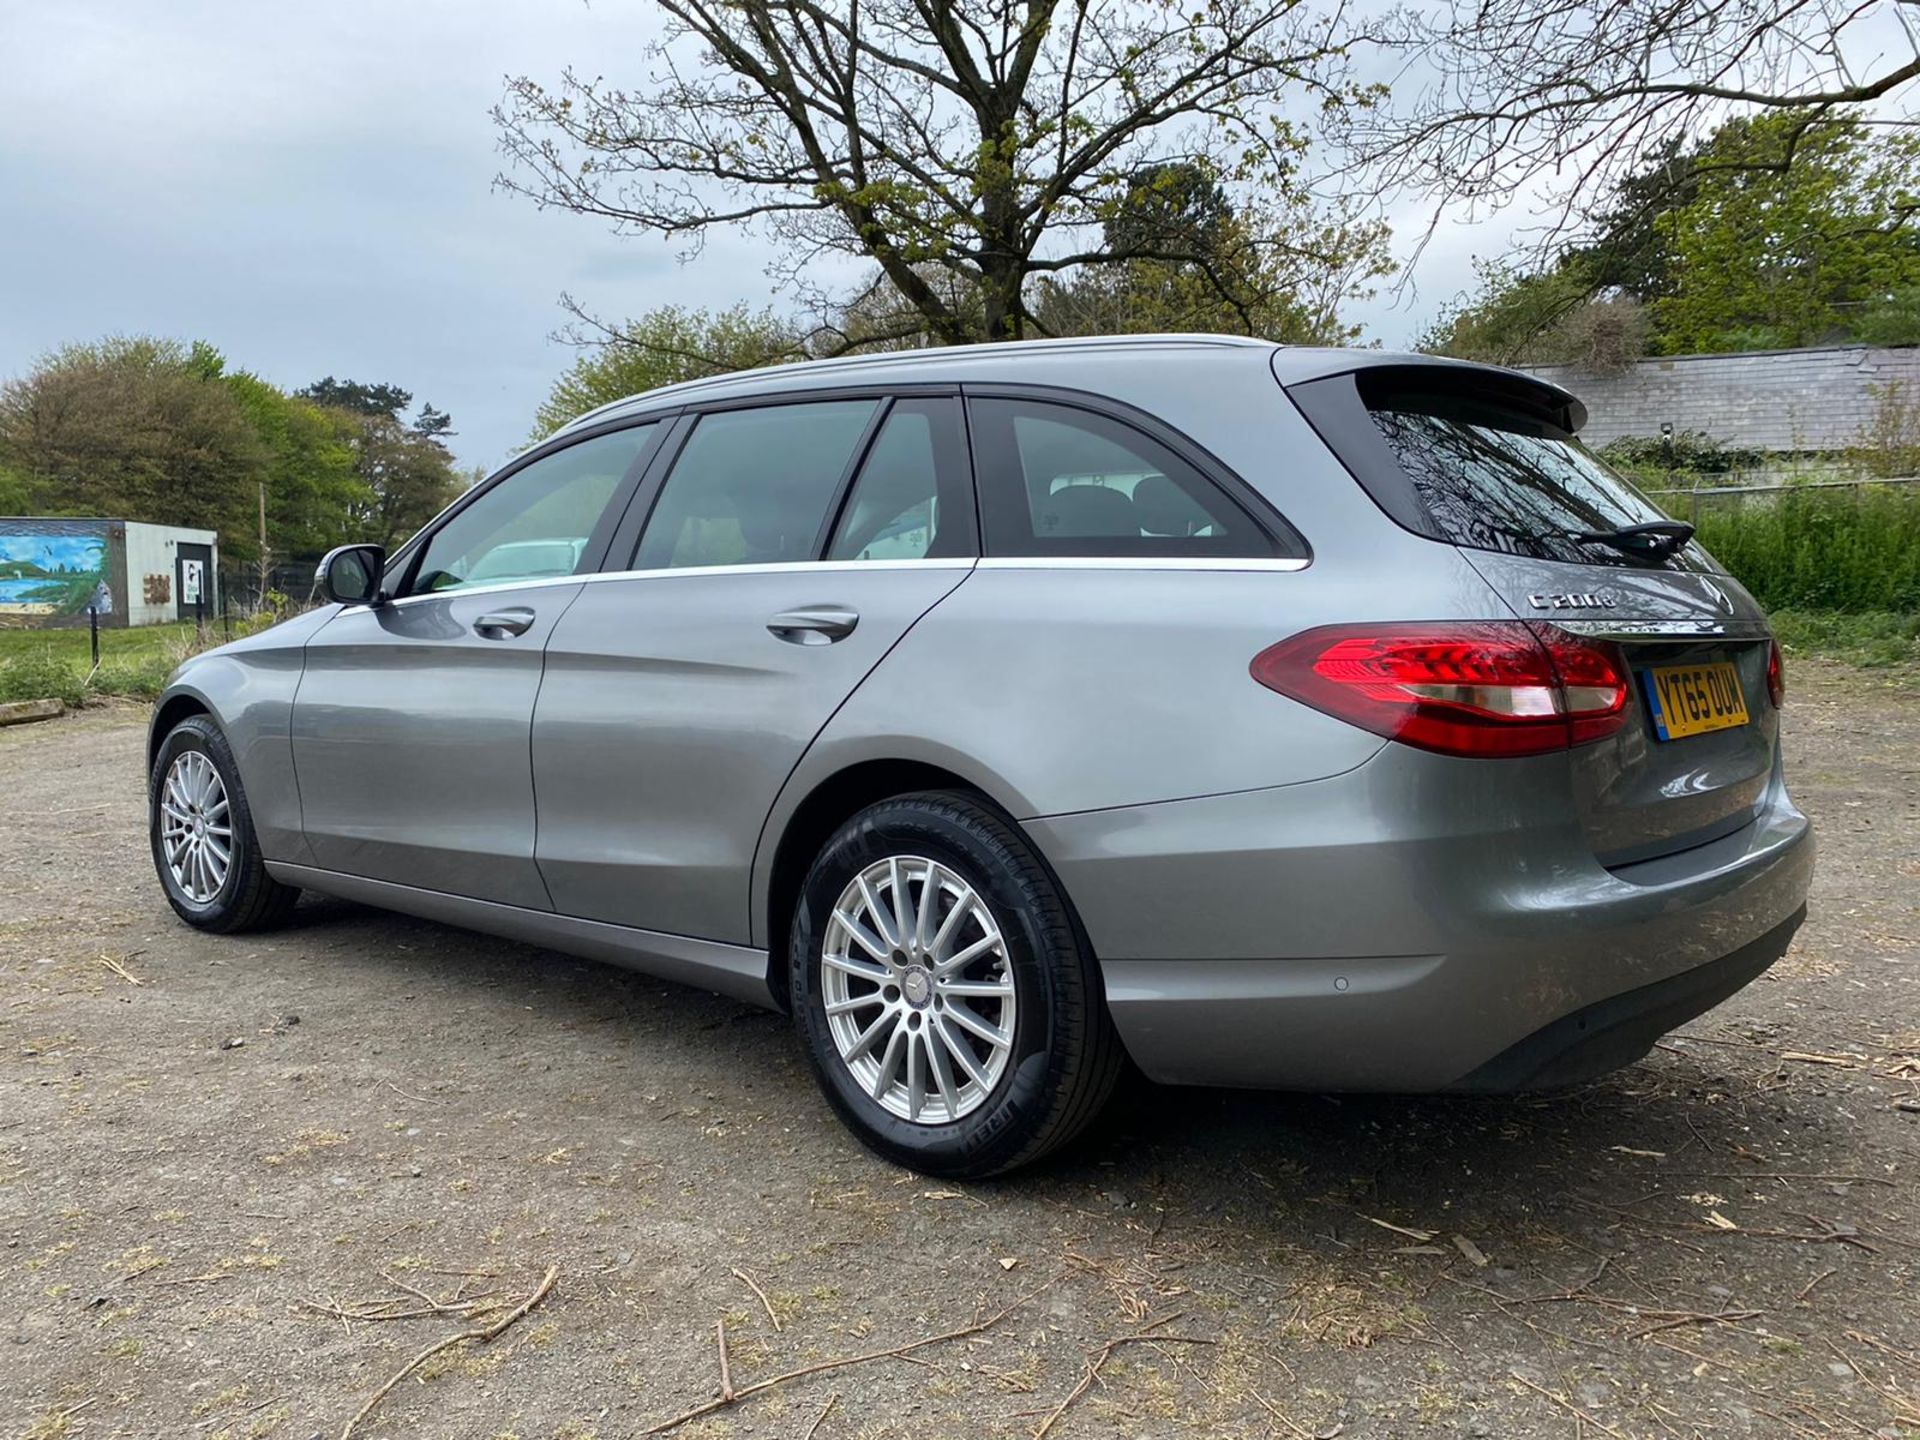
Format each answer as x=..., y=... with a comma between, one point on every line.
x=243, y=1182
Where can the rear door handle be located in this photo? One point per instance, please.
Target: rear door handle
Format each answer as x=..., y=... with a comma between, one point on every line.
x=500, y=624
x=821, y=626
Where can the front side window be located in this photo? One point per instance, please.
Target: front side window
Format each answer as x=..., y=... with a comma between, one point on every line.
x=535, y=524
x=1057, y=480
x=753, y=487
x=911, y=499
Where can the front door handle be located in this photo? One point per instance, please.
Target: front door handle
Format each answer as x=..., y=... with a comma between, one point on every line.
x=818, y=626
x=500, y=624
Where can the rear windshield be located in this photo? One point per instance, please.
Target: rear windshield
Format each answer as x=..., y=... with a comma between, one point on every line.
x=1499, y=478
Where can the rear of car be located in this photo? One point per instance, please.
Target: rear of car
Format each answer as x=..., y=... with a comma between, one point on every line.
x=1576, y=835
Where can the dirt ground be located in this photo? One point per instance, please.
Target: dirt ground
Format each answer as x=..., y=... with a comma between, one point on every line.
x=243, y=1182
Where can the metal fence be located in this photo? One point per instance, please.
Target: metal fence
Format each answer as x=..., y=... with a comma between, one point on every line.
x=1685, y=502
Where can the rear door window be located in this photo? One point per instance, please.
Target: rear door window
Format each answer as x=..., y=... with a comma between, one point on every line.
x=912, y=500
x=1058, y=480
x=754, y=487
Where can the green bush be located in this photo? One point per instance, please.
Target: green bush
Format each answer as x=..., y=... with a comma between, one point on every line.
x=1850, y=550
x=1875, y=639
x=41, y=675
x=1650, y=460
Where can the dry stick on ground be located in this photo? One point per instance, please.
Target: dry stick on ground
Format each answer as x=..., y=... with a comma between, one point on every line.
x=1675, y=1320
x=482, y=1333
x=766, y=1304
x=831, y=1399
x=726, y=1374
x=893, y=1352
x=1568, y=1406
x=119, y=969
x=1807, y=1289
x=1099, y=1356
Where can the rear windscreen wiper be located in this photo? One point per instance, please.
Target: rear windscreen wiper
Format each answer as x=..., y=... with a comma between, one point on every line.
x=1656, y=540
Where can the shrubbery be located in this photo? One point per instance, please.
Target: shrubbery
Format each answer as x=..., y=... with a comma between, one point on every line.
x=1851, y=550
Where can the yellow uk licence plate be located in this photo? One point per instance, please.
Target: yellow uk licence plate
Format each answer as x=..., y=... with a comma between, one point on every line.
x=1693, y=699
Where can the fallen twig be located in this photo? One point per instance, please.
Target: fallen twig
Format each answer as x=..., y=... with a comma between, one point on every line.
x=121, y=970
x=675, y=1422
x=197, y=1279
x=1567, y=1405
x=831, y=1400
x=1099, y=1356
x=726, y=1374
x=1676, y=1320
x=765, y=1303
x=482, y=1333
x=1807, y=1289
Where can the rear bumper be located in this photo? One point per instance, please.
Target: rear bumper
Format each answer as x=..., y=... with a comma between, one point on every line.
x=1402, y=928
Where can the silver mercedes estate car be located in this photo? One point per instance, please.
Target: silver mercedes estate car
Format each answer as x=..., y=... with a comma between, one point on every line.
x=1259, y=716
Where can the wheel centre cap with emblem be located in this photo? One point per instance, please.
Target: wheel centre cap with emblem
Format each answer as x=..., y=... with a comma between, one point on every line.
x=916, y=985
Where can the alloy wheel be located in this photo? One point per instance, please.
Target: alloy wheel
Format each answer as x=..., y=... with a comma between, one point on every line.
x=196, y=827
x=918, y=989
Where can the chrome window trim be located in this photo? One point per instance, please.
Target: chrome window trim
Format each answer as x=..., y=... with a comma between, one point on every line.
x=854, y=567
x=772, y=567
x=1144, y=562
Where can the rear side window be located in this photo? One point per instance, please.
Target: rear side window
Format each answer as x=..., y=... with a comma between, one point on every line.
x=912, y=500
x=1058, y=480
x=1475, y=467
x=753, y=487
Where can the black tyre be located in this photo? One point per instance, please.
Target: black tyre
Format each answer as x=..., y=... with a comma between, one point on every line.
x=201, y=830
x=949, y=1003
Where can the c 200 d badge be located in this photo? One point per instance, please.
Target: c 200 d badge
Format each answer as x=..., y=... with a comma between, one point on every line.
x=1591, y=600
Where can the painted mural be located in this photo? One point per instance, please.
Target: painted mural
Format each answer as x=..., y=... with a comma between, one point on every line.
x=51, y=570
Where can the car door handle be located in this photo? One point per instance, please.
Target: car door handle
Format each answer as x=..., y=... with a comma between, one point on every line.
x=500, y=624
x=820, y=626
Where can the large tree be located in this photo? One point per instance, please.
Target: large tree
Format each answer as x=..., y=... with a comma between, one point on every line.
x=1559, y=102
x=136, y=428
x=965, y=147
x=1720, y=245
x=663, y=347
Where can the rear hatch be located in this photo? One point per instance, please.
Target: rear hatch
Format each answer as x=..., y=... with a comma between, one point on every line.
x=1487, y=461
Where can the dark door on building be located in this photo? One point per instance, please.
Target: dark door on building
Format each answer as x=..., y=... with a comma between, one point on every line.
x=193, y=581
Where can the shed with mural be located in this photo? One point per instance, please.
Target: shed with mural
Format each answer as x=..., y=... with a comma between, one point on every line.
x=54, y=571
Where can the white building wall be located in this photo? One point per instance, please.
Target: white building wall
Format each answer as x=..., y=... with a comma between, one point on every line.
x=151, y=572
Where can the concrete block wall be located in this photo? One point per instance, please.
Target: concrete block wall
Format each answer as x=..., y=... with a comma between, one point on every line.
x=1815, y=399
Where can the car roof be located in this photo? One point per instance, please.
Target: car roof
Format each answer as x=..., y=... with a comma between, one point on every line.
x=1072, y=362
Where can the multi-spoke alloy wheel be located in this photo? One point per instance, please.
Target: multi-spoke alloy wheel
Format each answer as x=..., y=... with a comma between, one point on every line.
x=918, y=989
x=196, y=827
x=950, y=1005
x=201, y=830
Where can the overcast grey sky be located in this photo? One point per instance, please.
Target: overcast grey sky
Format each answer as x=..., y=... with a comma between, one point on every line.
x=310, y=189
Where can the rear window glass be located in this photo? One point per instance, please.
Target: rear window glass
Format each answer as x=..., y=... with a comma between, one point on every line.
x=1496, y=478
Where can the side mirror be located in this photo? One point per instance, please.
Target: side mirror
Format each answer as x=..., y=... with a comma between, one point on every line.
x=351, y=574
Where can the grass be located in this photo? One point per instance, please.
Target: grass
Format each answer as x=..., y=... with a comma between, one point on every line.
x=38, y=664
x=1874, y=640
x=1856, y=551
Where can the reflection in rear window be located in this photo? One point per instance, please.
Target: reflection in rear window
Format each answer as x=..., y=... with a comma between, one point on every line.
x=1498, y=479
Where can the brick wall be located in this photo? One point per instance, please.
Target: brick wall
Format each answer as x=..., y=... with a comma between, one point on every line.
x=1816, y=399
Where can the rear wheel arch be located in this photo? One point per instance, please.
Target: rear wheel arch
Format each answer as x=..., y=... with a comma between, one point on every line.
x=828, y=806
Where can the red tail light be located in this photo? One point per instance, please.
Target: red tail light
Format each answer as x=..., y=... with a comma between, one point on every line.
x=1776, y=674
x=1468, y=688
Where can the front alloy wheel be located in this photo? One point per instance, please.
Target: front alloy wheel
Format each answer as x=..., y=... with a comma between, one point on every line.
x=949, y=1003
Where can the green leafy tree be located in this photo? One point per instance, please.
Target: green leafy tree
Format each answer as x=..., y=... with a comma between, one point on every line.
x=407, y=478
x=663, y=347
x=312, y=482
x=1803, y=229
x=1281, y=272
x=138, y=428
